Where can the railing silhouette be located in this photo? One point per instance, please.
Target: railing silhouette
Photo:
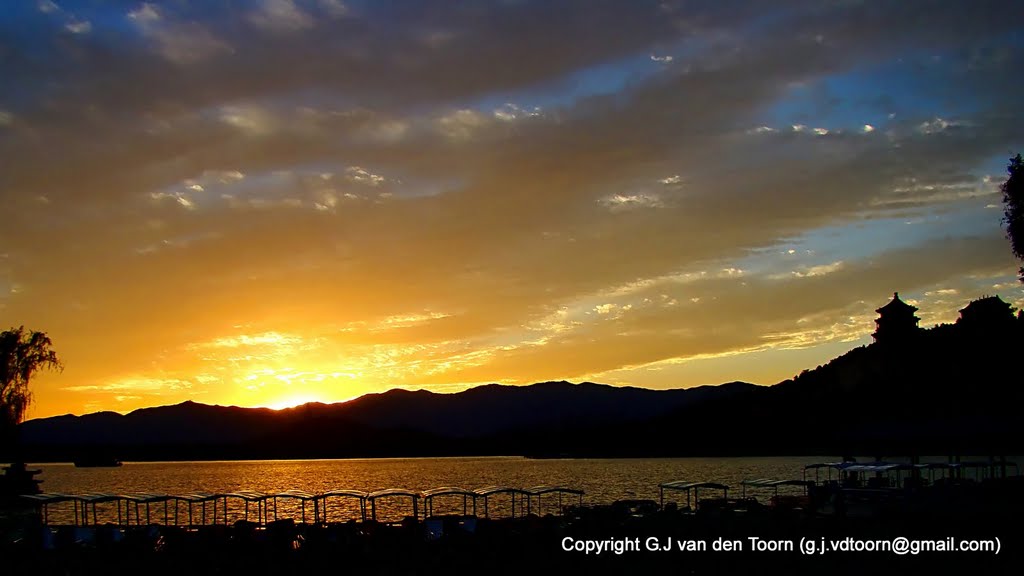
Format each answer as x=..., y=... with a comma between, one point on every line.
x=203, y=509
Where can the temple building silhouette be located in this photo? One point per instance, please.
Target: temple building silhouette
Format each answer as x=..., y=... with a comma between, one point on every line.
x=990, y=312
x=896, y=321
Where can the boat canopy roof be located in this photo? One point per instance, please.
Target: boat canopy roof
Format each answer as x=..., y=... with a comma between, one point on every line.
x=196, y=497
x=833, y=465
x=770, y=483
x=538, y=490
x=255, y=496
x=887, y=466
x=97, y=497
x=392, y=492
x=347, y=493
x=247, y=495
x=296, y=494
x=879, y=467
x=489, y=490
x=50, y=497
x=445, y=491
x=90, y=497
x=140, y=497
x=684, y=485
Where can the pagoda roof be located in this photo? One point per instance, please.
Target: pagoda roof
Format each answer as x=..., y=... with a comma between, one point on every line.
x=896, y=305
x=994, y=303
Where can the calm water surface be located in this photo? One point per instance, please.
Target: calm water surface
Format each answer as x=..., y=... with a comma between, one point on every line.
x=603, y=480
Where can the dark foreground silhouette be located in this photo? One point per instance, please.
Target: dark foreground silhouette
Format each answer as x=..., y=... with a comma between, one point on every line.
x=624, y=538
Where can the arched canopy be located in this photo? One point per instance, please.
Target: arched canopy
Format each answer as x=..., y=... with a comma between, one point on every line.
x=429, y=495
x=345, y=494
x=141, y=497
x=356, y=494
x=196, y=497
x=247, y=495
x=491, y=490
x=447, y=490
x=372, y=498
x=682, y=485
x=387, y=492
x=295, y=494
x=50, y=497
x=688, y=487
x=538, y=490
x=771, y=484
x=487, y=491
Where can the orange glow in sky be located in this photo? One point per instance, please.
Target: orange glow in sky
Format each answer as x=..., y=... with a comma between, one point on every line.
x=298, y=200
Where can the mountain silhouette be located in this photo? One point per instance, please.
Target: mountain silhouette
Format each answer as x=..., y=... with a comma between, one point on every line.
x=389, y=423
x=955, y=388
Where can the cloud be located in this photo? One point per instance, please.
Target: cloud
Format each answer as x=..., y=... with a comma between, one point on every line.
x=285, y=16
x=630, y=201
x=252, y=119
x=819, y=270
x=509, y=112
x=937, y=125
x=461, y=125
x=333, y=8
x=78, y=26
x=145, y=14
x=264, y=339
x=140, y=384
x=733, y=317
x=179, y=42
x=360, y=176
x=312, y=166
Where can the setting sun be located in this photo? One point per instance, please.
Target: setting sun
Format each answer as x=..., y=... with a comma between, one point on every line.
x=292, y=402
x=510, y=286
x=251, y=225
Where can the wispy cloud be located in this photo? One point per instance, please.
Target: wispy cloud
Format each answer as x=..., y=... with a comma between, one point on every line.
x=417, y=196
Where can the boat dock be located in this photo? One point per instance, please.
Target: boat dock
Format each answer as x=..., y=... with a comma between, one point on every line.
x=453, y=529
x=260, y=509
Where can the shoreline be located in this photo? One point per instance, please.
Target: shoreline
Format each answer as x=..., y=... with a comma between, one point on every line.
x=512, y=546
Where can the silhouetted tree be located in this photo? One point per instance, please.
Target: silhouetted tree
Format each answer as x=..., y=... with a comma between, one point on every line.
x=22, y=354
x=1013, y=198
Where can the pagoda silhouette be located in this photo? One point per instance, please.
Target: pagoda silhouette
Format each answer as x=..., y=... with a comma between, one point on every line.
x=896, y=321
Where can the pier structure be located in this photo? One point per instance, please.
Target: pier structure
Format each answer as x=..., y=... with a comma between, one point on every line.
x=691, y=489
x=827, y=488
x=880, y=474
x=538, y=491
x=372, y=498
x=203, y=509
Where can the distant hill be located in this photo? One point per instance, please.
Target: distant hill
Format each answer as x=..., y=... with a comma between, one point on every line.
x=951, y=389
x=955, y=388
x=398, y=422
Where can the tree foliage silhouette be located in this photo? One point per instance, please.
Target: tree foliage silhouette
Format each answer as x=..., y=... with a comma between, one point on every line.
x=1013, y=199
x=22, y=354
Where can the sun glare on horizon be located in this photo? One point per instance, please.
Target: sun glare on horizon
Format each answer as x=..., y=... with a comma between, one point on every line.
x=431, y=202
x=293, y=401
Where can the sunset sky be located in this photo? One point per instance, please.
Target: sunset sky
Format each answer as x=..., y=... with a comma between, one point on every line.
x=262, y=203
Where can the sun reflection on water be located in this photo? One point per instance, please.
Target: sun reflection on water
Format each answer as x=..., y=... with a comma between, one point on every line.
x=603, y=480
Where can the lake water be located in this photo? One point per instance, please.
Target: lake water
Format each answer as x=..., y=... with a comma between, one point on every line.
x=603, y=480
